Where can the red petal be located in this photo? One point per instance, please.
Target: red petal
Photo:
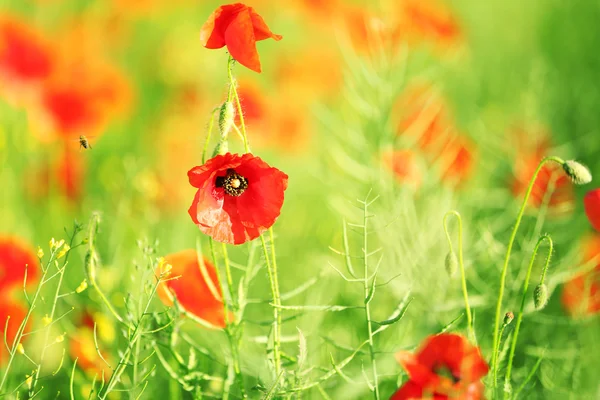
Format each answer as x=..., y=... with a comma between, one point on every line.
x=241, y=42
x=212, y=34
x=409, y=391
x=191, y=289
x=14, y=255
x=418, y=373
x=456, y=353
x=261, y=30
x=591, y=203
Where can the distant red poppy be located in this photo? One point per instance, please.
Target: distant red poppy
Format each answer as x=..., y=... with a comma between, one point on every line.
x=581, y=295
x=428, y=20
x=192, y=291
x=591, y=202
x=14, y=255
x=83, y=347
x=458, y=161
x=562, y=197
x=238, y=197
x=447, y=366
x=403, y=164
x=69, y=173
x=24, y=55
x=238, y=27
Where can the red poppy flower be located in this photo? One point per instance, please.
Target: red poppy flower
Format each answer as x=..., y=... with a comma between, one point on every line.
x=191, y=289
x=428, y=20
x=14, y=255
x=238, y=27
x=16, y=312
x=458, y=161
x=238, y=197
x=447, y=366
x=403, y=164
x=562, y=197
x=581, y=295
x=24, y=56
x=69, y=172
x=591, y=202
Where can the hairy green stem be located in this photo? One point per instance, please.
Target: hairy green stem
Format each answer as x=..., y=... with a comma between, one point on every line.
x=515, y=336
x=462, y=268
x=233, y=91
x=507, y=259
x=272, y=271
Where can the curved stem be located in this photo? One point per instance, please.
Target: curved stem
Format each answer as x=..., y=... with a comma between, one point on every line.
x=462, y=268
x=515, y=336
x=507, y=258
x=233, y=93
x=208, y=135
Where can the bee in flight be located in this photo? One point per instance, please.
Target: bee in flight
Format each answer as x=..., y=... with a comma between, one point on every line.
x=83, y=142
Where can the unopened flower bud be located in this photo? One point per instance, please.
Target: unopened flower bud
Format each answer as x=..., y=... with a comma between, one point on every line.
x=60, y=339
x=578, y=173
x=40, y=253
x=82, y=286
x=46, y=320
x=60, y=243
x=90, y=267
x=29, y=380
x=540, y=296
x=52, y=243
x=508, y=317
x=226, y=118
x=451, y=263
x=20, y=349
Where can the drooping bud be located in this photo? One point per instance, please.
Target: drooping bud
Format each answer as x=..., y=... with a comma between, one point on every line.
x=578, y=173
x=508, y=318
x=540, y=296
x=451, y=263
x=82, y=286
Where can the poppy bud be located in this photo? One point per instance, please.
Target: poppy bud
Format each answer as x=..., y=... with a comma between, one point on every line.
x=578, y=173
x=508, y=318
x=451, y=263
x=540, y=296
x=226, y=118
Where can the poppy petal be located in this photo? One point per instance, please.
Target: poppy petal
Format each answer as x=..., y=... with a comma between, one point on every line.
x=591, y=204
x=261, y=30
x=241, y=42
x=212, y=34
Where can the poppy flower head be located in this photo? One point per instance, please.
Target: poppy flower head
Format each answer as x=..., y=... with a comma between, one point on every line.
x=14, y=256
x=16, y=312
x=191, y=289
x=591, y=203
x=238, y=197
x=446, y=365
x=24, y=56
x=403, y=163
x=238, y=27
x=581, y=295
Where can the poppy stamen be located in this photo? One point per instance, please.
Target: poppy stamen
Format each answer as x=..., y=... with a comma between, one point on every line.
x=233, y=183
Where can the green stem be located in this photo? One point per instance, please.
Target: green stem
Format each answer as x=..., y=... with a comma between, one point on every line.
x=233, y=91
x=276, y=302
x=208, y=135
x=507, y=258
x=367, y=302
x=515, y=336
x=462, y=268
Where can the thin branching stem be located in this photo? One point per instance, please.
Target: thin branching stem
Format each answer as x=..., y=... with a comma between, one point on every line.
x=271, y=270
x=462, y=268
x=367, y=300
x=513, y=347
x=233, y=91
x=507, y=258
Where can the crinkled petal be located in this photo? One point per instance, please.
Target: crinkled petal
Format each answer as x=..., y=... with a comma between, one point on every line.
x=241, y=42
x=212, y=34
x=261, y=30
x=418, y=373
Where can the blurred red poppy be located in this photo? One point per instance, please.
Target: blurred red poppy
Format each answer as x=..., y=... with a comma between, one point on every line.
x=238, y=197
x=238, y=27
x=403, y=164
x=191, y=289
x=69, y=173
x=17, y=313
x=14, y=256
x=581, y=295
x=447, y=366
x=428, y=20
x=591, y=202
x=458, y=160
x=24, y=55
x=83, y=348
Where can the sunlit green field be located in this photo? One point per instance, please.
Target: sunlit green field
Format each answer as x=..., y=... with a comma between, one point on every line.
x=425, y=173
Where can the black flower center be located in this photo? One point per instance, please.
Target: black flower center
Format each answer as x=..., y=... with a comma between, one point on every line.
x=233, y=183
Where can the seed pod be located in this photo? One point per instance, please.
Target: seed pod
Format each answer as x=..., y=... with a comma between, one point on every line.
x=540, y=296
x=451, y=263
x=90, y=266
x=226, y=118
x=578, y=173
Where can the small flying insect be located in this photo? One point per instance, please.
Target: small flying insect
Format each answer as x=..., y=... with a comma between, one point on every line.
x=84, y=142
